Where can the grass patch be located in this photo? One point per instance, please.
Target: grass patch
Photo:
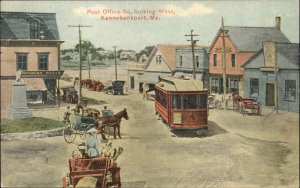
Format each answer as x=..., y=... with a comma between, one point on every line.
x=29, y=125
x=91, y=101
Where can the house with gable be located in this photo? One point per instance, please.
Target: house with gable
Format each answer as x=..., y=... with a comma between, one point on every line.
x=168, y=60
x=30, y=43
x=274, y=63
x=241, y=43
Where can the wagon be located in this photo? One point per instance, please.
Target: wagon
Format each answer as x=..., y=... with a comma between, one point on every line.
x=250, y=106
x=103, y=169
x=69, y=94
x=116, y=87
x=78, y=125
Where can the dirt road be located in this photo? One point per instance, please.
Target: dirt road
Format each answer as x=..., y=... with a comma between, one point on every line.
x=236, y=151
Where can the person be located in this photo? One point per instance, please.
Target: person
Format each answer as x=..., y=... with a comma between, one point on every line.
x=67, y=114
x=92, y=143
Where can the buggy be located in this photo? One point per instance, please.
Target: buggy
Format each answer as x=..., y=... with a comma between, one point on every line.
x=116, y=87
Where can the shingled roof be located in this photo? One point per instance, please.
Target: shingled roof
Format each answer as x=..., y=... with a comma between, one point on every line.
x=15, y=25
x=290, y=51
x=249, y=39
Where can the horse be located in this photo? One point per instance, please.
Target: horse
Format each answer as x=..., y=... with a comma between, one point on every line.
x=112, y=121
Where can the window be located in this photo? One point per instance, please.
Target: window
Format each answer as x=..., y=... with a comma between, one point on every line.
x=215, y=60
x=202, y=101
x=197, y=61
x=180, y=60
x=21, y=61
x=233, y=60
x=254, y=87
x=290, y=90
x=43, y=61
x=233, y=85
x=34, y=29
x=176, y=101
x=161, y=98
x=158, y=60
x=189, y=101
x=214, y=85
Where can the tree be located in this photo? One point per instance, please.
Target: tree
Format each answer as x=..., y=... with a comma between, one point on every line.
x=111, y=56
x=86, y=47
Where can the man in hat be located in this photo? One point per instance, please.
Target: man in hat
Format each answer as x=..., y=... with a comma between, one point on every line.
x=92, y=143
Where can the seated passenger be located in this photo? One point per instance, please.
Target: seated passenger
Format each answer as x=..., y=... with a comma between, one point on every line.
x=92, y=143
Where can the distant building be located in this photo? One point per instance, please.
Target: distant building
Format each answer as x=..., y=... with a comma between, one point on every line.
x=30, y=42
x=260, y=78
x=127, y=54
x=241, y=44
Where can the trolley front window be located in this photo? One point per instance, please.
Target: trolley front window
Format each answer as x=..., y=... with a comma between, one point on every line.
x=190, y=101
x=176, y=101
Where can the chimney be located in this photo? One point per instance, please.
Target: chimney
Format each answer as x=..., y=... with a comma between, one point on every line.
x=277, y=21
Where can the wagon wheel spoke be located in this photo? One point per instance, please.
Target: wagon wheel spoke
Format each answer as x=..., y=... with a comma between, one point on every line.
x=68, y=133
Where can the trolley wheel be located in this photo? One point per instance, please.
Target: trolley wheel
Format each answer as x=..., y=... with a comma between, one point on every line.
x=68, y=133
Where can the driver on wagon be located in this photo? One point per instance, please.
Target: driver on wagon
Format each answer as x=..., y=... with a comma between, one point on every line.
x=92, y=143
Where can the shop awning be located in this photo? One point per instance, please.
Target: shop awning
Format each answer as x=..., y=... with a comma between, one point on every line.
x=35, y=84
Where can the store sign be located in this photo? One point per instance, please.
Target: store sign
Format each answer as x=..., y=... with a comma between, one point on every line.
x=41, y=74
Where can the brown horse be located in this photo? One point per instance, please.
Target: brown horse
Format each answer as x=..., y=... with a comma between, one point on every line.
x=112, y=121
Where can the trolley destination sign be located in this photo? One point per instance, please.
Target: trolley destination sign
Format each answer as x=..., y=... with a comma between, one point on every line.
x=42, y=73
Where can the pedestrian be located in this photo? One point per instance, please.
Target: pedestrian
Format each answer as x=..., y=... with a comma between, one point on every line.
x=92, y=143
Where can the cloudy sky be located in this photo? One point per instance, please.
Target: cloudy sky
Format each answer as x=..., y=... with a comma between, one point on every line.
x=204, y=17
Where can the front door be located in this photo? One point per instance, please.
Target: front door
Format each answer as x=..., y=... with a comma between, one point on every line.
x=270, y=94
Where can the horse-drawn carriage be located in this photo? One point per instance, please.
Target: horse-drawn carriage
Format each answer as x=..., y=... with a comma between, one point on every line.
x=243, y=106
x=92, y=85
x=77, y=124
x=115, y=88
x=69, y=94
x=104, y=171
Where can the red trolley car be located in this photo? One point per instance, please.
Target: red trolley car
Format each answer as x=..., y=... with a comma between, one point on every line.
x=181, y=103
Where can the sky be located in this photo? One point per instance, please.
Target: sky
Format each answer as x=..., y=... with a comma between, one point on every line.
x=203, y=17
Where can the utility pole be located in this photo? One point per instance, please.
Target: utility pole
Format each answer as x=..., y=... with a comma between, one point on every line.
x=276, y=80
x=88, y=56
x=80, y=64
x=224, y=58
x=115, y=61
x=193, y=42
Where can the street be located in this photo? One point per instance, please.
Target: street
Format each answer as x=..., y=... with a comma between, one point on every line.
x=236, y=151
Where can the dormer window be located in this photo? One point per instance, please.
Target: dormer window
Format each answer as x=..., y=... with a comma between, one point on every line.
x=34, y=29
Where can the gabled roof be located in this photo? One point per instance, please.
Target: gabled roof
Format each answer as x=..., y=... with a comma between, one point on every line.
x=15, y=25
x=290, y=51
x=168, y=52
x=249, y=39
x=287, y=57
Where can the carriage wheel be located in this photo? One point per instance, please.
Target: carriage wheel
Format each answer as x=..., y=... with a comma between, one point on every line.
x=68, y=133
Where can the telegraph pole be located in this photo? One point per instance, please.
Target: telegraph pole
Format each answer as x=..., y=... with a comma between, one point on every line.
x=224, y=58
x=193, y=42
x=80, y=64
x=115, y=61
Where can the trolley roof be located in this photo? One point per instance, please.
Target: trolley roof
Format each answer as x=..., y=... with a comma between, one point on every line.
x=180, y=84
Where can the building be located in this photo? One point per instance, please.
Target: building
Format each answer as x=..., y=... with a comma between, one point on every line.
x=127, y=54
x=241, y=43
x=184, y=63
x=168, y=60
x=260, y=76
x=30, y=43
